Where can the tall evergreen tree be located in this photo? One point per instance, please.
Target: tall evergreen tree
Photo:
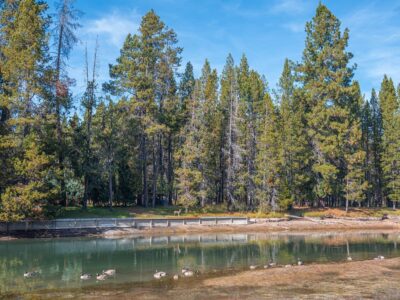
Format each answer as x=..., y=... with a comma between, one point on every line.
x=296, y=152
x=376, y=148
x=232, y=150
x=146, y=60
x=268, y=177
x=391, y=140
x=251, y=110
x=64, y=39
x=29, y=172
x=332, y=100
x=186, y=88
x=89, y=104
x=210, y=133
x=190, y=176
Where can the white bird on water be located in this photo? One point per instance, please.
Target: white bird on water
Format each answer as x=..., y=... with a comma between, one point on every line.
x=159, y=275
x=188, y=273
x=110, y=272
x=86, y=276
x=31, y=274
x=101, y=277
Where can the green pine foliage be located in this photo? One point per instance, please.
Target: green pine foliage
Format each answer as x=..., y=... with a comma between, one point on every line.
x=389, y=103
x=155, y=136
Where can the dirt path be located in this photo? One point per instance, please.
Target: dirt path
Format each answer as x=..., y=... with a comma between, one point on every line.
x=267, y=226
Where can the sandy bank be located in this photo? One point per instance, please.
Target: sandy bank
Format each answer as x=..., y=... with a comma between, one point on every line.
x=301, y=225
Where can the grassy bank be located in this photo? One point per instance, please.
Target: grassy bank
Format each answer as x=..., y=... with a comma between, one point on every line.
x=168, y=212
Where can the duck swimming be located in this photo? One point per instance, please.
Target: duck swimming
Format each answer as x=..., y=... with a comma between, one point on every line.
x=101, y=277
x=159, y=275
x=188, y=273
x=31, y=274
x=110, y=272
x=86, y=276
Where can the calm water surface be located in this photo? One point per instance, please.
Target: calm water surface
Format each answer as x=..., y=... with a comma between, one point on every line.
x=62, y=261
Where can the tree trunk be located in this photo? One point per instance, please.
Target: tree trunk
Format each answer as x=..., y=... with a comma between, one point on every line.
x=86, y=192
x=110, y=186
x=144, y=170
x=58, y=117
x=155, y=174
x=170, y=170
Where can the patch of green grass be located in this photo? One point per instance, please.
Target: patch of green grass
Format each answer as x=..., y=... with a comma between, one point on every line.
x=94, y=212
x=213, y=211
x=315, y=214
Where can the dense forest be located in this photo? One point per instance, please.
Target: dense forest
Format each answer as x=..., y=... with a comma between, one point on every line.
x=154, y=135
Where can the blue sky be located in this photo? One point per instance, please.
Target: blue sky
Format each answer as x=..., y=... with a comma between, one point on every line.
x=267, y=31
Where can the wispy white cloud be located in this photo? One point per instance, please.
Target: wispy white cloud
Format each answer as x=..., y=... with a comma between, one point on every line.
x=114, y=27
x=294, y=27
x=374, y=36
x=290, y=6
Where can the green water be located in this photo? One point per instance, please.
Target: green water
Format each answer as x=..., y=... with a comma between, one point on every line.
x=61, y=261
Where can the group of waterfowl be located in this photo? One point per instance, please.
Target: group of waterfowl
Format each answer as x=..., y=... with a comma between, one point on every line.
x=102, y=276
x=186, y=272
x=273, y=264
x=379, y=257
x=31, y=274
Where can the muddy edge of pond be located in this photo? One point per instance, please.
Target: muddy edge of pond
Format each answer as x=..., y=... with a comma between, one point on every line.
x=260, y=226
x=372, y=279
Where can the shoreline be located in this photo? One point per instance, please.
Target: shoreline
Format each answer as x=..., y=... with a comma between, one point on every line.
x=261, y=225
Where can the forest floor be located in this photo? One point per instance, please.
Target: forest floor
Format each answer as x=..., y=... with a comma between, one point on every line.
x=168, y=212
x=371, y=279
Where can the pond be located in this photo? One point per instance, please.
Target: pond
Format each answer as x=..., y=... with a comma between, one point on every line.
x=60, y=262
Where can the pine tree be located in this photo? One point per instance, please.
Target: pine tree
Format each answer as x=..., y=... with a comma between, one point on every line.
x=366, y=121
x=142, y=73
x=89, y=103
x=64, y=39
x=232, y=151
x=355, y=180
x=210, y=134
x=376, y=148
x=296, y=152
x=331, y=98
x=391, y=140
x=190, y=177
x=268, y=161
x=106, y=143
x=251, y=111
x=186, y=88
x=29, y=182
